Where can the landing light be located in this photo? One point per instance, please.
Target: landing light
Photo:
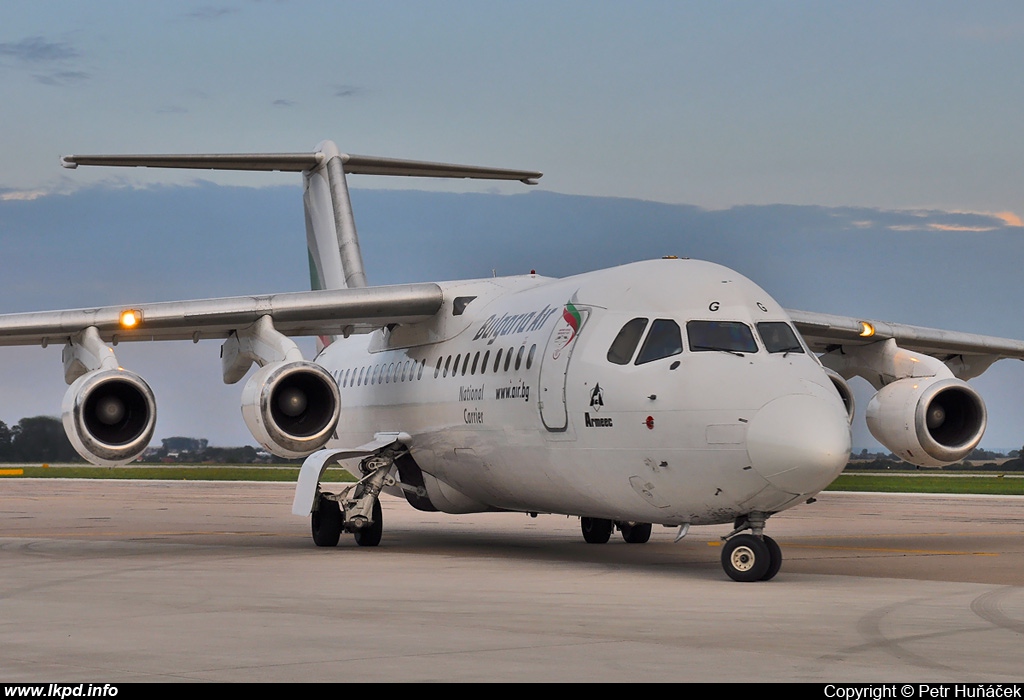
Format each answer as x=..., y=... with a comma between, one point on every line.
x=130, y=318
x=867, y=330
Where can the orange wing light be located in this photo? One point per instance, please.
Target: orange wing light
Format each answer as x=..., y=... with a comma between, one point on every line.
x=130, y=318
x=867, y=330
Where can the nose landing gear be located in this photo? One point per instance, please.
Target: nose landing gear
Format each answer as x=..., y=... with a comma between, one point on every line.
x=751, y=557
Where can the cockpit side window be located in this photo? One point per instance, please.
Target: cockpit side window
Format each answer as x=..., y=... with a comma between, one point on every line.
x=779, y=337
x=727, y=336
x=664, y=340
x=624, y=345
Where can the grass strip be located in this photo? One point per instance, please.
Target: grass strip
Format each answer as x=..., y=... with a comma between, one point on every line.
x=994, y=485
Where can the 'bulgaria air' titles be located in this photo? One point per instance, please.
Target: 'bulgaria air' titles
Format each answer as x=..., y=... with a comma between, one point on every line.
x=495, y=327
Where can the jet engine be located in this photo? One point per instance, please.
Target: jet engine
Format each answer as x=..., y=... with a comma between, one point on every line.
x=291, y=408
x=109, y=415
x=928, y=421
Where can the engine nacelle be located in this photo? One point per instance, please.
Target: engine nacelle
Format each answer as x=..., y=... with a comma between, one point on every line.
x=109, y=415
x=927, y=421
x=291, y=408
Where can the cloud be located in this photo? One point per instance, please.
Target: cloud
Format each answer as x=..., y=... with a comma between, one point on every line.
x=283, y=103
x=171, y=109
x=60, y=78
x=36, y=49
x=965, y=221
x=1010, y=218
x=347, y=90
x=208, y=12
x=21, y=195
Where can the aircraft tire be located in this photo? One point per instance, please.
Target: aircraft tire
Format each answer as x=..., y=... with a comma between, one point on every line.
x=596, y=530
x=326, y=523
x=370, y=535
x=635, y=533
x=746, y=558
x=775, y=552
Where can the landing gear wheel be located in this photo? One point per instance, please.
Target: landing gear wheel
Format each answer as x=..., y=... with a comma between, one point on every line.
x=596, y=530
x=635, y=533
x=775, y=552
x=326, y=524
x=370, y=535
x=746, y=558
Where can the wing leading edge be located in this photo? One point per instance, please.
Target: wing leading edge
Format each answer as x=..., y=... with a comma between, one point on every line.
x=331, y=311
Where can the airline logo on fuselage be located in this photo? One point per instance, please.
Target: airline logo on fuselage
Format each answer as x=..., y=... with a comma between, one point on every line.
x=497, y=326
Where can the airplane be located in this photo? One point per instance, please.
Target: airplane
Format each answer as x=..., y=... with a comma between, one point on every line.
x=673, y=392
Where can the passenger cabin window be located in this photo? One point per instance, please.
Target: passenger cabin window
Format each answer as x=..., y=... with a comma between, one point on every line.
x=779, y=337
x=726, y=336
x=664, y=340
x=624, y=345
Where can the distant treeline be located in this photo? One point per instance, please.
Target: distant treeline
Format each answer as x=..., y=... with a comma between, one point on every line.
x=978, y=460
x=38, y=439
x=41, y=439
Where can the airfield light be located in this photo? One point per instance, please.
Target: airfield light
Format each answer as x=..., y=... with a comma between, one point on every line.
x=130, y=318
x=867, y=330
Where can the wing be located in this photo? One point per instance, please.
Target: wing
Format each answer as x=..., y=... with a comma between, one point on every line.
x=852, y=346
x=291, y=406
x=826, y=332
x=322, y=312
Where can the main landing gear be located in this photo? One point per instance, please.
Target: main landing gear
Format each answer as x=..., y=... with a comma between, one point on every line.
x=599, y=530
x=751, y=557
x=356, y=508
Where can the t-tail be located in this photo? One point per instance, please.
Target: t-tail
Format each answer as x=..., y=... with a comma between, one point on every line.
x=335, y=260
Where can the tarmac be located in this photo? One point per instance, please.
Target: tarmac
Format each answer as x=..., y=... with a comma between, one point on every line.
x=159, y=581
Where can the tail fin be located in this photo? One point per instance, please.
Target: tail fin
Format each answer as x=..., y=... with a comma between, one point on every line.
x=335, y=261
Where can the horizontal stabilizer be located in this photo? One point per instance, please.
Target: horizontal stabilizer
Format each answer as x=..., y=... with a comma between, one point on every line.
x=298, y=162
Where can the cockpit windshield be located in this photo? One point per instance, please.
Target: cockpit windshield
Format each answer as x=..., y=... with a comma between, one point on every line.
x=664, y=340
x=779, y=337
x=725, y=336
x=624, y=345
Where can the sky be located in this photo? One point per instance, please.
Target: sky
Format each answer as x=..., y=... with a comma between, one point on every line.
x=891, y=107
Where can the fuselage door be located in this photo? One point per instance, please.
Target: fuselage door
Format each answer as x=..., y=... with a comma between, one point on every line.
x=554, y=365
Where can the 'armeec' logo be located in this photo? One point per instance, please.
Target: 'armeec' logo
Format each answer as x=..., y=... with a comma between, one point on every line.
x=596, y=422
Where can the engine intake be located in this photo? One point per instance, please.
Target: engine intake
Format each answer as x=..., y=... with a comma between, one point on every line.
x=109, y=416
x=291, y=408
x=927, y=421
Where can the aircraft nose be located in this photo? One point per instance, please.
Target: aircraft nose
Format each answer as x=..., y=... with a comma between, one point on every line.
x=799, y=443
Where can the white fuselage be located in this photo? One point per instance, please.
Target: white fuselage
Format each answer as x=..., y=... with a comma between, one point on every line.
x=567, y=425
